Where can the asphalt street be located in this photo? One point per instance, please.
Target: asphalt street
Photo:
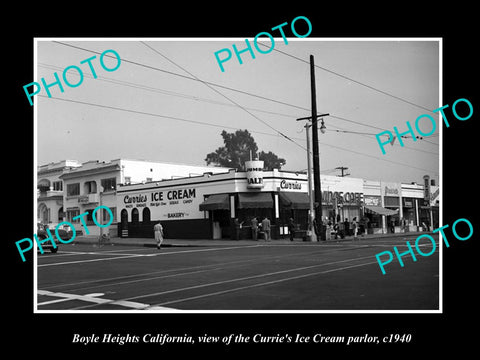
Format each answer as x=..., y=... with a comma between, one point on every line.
x=263, y=276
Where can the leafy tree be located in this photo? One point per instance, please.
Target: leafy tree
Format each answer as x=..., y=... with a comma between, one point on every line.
x=236, y=151
x=271, y=161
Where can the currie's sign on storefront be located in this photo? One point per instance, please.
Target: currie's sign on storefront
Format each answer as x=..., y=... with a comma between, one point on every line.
x=179, y=203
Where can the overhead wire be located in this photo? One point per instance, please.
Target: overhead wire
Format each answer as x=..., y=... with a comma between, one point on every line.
x=352, y=80
x=196, y=98
x=188, y=72
x=226, y=97
x=227, y=87
x=218, y=126
x=210, y=84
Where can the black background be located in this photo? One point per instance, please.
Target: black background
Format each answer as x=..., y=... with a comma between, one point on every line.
x=51, y=334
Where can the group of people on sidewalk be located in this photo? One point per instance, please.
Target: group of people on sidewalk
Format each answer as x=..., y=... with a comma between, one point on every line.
x=337, y=229
x=342, y=229
x=264, y=227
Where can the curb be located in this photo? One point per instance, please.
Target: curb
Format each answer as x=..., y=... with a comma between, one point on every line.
x=209, y=243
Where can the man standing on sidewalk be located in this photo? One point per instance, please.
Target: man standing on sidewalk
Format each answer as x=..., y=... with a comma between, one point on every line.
x=158, y=229
x=291, y=228
x=254, y=228
x=266, y=228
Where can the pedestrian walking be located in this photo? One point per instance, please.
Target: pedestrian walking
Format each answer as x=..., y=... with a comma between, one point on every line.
x=254, y=222
x=328, y=231
x=291, y=228
x=336, y=229
x=266, y=228
x=355, y=228
x=347, y=227
x=158, y=230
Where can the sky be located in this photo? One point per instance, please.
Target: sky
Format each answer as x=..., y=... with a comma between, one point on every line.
x=153, y=106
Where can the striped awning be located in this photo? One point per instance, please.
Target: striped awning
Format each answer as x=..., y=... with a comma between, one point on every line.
x=381, y=210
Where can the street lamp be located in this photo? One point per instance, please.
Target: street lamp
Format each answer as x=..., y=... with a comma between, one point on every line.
x=323, y=127
x=311, y=236
x=312, y=216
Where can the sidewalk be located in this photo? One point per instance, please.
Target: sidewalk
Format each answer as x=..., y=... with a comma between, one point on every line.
x=150, y=242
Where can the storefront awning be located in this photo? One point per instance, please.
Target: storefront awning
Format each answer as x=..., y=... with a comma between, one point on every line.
x=216, y=202
x=294, y=200
x=255, y=200
x=381, y=210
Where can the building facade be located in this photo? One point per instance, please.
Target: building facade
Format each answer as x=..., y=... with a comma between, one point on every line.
x=50, y=208
x=204, y=202
x=94, y=184
x=222, y=205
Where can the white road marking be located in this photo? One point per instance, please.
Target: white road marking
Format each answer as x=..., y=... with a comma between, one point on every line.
x=189, y=270
x=95, y=298
x=142, y=255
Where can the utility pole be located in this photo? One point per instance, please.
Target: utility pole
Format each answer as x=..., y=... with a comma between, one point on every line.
x=342, y=168
x=317, y=213
x=311, y=236
x=316, y=154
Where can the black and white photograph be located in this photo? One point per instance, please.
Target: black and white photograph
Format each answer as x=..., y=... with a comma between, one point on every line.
x=201, y=180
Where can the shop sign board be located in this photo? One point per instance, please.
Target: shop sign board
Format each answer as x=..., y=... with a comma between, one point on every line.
x=177, y=203
x=372, y=201
x=391, y=189
x=254, y=169
x=346, y=198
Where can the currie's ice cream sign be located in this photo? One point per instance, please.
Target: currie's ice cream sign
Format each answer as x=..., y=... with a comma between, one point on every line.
x=254, y=170
x=178, y=203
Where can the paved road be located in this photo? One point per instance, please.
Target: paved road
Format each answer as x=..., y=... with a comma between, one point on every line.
x=248, y=276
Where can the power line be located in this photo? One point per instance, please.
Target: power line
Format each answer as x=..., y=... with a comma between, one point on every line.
x=228, y=88
x=166, y=92
x=226, y=97
x=353, y=80
x=364, y=134
x=236, y=90
x=218, y=126
x=151, y=114
x=378, y=158
x=196, y=98
x=184, y=76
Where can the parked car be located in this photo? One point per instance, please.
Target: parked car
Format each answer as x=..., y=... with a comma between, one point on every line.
x=42, y=234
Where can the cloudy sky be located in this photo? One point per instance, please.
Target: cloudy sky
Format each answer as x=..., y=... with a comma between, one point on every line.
x=154, y=107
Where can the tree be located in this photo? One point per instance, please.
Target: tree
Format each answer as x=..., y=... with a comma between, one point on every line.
x=236, y=150
x=271, y=161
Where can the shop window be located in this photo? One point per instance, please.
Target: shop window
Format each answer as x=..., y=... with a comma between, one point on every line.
x=135, y=216
x=73, y=189
x=146, y=215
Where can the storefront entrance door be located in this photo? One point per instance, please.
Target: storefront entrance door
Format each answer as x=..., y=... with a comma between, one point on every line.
x=221, y=220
